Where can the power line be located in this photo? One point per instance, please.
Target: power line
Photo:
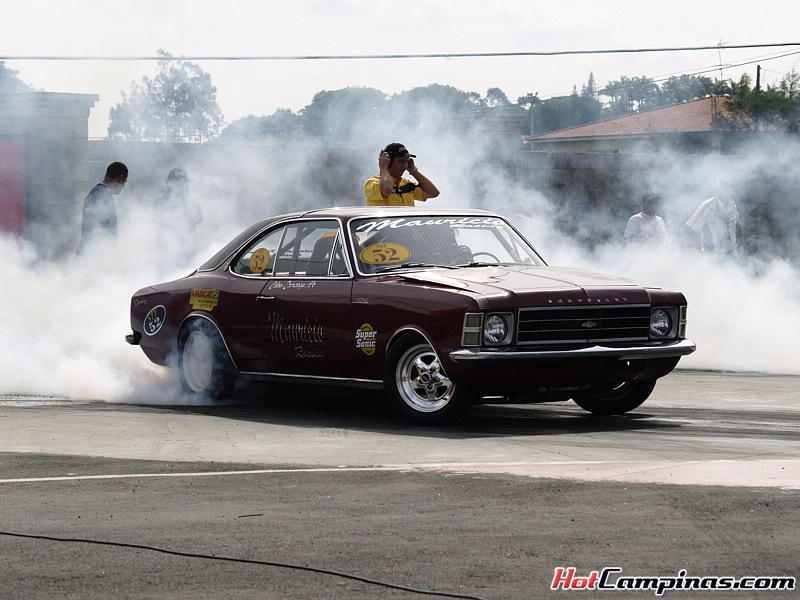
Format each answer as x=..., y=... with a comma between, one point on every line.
x=690, y=73
x=448, y=55
x=711, y=69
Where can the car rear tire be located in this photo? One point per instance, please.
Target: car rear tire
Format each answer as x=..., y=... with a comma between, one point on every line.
x=417, y=386
x=204, y=366
x=616, y=399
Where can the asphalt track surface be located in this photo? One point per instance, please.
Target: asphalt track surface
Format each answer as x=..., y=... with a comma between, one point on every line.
x=310, y=495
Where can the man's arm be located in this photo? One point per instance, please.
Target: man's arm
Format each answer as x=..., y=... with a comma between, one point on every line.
x=387, y=183
x=429, y=189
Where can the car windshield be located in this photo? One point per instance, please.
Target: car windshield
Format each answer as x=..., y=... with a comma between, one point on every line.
x=396, y=243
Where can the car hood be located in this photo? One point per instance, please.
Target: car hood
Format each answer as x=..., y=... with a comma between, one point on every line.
x=491, y=280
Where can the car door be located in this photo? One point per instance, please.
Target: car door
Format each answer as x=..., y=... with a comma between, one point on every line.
x=304, y=307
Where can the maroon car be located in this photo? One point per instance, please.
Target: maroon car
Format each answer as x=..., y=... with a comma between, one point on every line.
x=439, y=308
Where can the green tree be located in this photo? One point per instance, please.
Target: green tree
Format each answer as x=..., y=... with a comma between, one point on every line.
x=721, y=87
x=342, y=116
x=529, y=100
x=178, y=105
x=430, y=103
x=589, y=88
x=631, y=94
x=588, y=106
x=564, y=111
x=495, y=97
x=281, y=126
x=759, y=110
x=790, y=85
x=684, y=88
x=10, y=83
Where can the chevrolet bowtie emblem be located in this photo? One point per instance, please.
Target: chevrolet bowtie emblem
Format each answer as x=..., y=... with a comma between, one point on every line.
x=589, y=324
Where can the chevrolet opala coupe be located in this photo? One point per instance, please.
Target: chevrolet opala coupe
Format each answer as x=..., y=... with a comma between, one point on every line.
x=438, y=308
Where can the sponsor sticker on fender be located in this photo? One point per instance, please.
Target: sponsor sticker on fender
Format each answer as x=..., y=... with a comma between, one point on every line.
x=154, y=320
x=204, y=298
x=366, y=339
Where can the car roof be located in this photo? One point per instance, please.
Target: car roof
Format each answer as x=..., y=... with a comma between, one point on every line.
x=349, y=212
x=352, y=212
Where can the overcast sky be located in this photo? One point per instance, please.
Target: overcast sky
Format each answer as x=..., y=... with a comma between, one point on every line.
x=299, y=28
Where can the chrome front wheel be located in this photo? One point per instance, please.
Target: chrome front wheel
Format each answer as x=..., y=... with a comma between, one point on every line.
x=417, y=385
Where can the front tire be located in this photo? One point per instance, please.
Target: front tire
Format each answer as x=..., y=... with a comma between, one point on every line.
x=204, y=366
x=617, y=398
x=417, y=386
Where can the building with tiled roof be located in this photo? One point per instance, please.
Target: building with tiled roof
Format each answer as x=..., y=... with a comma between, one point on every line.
x=686, y=128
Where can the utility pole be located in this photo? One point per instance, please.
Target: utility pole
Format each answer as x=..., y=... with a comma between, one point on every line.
x=758, y=78
x=532, y=100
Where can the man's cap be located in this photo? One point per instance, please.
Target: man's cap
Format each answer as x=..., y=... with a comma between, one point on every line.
x=177, y=174
x=651, y=197
x=397, y=150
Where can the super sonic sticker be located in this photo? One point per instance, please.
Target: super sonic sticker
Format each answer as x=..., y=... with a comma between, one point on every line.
x=154, y=320
x=366, y=339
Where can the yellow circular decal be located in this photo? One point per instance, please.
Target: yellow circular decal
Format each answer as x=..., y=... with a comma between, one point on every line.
x=259, y=260
x=385, y=254
x=366, y=338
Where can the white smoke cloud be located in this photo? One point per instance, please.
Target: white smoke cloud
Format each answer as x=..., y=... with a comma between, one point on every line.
x=64, y=322
x=741, y=314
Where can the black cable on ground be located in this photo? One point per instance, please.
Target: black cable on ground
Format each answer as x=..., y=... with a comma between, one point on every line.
x=244, y=561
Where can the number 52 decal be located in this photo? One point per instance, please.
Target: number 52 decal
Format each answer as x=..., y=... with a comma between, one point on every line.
x=384, y=254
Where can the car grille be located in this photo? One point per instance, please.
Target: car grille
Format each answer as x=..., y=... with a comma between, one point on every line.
x=583, y=324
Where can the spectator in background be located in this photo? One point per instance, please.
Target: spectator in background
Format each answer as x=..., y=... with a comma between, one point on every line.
x=390, y=188
x=646, y=227
x=179, y=218
x=716, y=223
x=99, y=218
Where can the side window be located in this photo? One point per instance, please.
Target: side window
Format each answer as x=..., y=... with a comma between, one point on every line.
x=338, y=264
x=326, y=258
x=259, y=257
x=306, y=250
x=303, y=249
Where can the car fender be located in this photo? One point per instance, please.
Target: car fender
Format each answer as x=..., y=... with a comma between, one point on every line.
x=193, y=316
x=408, y=329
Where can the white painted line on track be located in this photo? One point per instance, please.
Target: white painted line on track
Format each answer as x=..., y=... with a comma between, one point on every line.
x=42, y=402
x=204, y=473
x=783, y=474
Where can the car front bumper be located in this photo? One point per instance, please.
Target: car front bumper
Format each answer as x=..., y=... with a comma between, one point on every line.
x=640, y=352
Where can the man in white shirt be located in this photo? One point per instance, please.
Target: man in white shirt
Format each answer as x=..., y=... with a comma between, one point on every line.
x=646, y=227
x=717, y=221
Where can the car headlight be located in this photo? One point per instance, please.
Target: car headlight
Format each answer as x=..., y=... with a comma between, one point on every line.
x=660, y=322
x=495, y=329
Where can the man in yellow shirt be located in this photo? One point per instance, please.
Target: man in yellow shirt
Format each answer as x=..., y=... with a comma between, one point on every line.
x=390, y=188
